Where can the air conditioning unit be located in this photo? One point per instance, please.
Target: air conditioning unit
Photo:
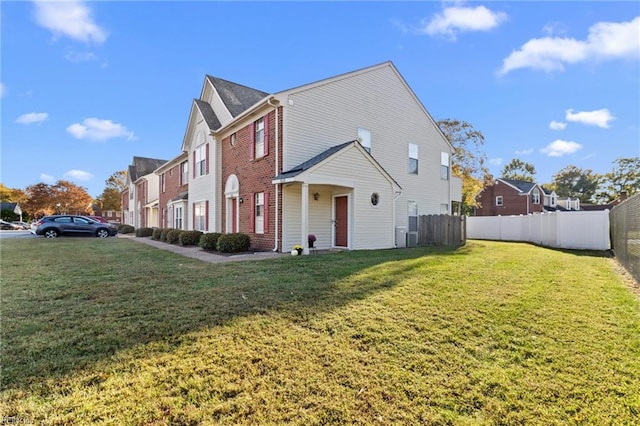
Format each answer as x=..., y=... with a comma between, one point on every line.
x=412, y=239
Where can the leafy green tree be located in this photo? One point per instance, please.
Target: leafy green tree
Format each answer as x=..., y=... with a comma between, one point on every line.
x=519, y=170
x=624, y=177
x=468, y=160
x=110, y=197
x=575, y=182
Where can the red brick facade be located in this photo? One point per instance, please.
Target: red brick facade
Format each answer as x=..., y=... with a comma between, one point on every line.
x=514, y=202
x=254, y=176
x=172, y=187
x=141, y=201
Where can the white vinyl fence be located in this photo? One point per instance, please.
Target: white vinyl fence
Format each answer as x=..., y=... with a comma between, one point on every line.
x=586, y=230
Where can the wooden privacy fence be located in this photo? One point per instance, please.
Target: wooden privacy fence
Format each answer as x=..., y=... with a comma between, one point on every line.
x=442, y=230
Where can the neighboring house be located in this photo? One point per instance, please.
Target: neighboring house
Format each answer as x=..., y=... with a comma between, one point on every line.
x=140, y=198
x=511, y=197
x=174, y=193
x=608, y=206
x=12, y=207
x=111, y=216
x=353, y=159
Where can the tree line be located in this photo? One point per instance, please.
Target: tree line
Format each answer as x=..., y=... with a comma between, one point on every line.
x=62, y=197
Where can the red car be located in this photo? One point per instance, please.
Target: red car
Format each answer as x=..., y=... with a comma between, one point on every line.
x=99, y=219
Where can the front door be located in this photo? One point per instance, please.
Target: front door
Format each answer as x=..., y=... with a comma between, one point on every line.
x=234, y=215
x=341, y=222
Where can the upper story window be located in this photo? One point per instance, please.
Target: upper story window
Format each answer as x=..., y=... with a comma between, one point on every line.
x=364, y=137
x=258, y=129
x=201, y=160
x=499, y=201
x=233, y=140
x=536, y=196
x=444, y=165
x=184, y=173
x=163, y=182
x=413, y=159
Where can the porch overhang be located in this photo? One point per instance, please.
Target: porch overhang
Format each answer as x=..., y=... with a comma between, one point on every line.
x=153, y=204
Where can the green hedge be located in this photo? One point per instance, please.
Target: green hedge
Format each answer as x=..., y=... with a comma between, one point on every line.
x=209, y=241
x=163, y=234
x=156, y=234
x=126, y=229
x=173, y=236
x=144, y=232
x=233, y=243
x=189, y=238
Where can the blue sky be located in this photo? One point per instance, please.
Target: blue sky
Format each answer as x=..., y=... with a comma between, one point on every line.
x=87, y=85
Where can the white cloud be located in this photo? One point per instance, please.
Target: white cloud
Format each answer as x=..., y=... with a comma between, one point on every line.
x=47, y=178
x=558, y=148
x=32, y=117
x=69, y=18
x=495, y=161
x=554, y=28
x=557, y=125
x=606, y=41
x=78, y=175
x=99, y=130
x=600, y=118
x=3, y=89
x=75, y=56
x=525, y=152
x=457, y=19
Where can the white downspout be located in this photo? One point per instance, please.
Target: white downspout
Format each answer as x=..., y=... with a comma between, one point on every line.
x=398, y=194
x=277, y=172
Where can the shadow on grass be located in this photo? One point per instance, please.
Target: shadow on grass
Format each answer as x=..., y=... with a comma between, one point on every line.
x=70, y=303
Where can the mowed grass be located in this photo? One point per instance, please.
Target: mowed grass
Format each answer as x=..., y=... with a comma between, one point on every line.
x=117, y=332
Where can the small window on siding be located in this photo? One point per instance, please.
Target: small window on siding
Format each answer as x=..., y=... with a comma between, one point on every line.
x=184, y=173
x=412, y=209
x=364, y=137
x=499, y=201
x=444, y=165
x=413, y=159
x=201, y=160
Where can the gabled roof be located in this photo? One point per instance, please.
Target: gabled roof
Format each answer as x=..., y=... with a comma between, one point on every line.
x=143, y=166
x=236, y=97
x=521, y=185
x=312, y=161
x=8, y=206
x=331, y=152
x=207, y=113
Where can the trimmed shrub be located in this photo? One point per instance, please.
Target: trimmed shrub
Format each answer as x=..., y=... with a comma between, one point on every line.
x=156, y=234
x=209, y=241
x=189, y=238
x=233, y=243
x=173, y=236
x=163, y=234
x=126, y=229
x=144, y=232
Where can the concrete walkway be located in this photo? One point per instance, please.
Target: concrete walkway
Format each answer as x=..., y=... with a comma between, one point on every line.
x=197, y=253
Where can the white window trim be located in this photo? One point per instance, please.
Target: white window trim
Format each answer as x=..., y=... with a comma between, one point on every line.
x=259, y=138
x=499, y=201
x=259, y=218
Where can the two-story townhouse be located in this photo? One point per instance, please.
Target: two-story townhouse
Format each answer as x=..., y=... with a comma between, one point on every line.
x=351, y=159
x=173, y=178
x=510, y=197
x=140, y=198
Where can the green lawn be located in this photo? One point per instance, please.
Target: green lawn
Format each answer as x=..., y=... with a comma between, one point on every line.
x=116, y=332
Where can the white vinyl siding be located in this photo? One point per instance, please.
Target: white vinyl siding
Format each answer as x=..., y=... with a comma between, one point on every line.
x=369, y=227
x=326, y=114
x=207, y=187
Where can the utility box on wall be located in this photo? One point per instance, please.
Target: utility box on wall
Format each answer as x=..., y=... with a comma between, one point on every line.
x=401, y=236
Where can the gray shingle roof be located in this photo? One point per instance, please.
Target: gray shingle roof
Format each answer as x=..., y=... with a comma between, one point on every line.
x=312, y=161
x=143, y=166
x=208, y=114
x=522, y=185
x=236, y=97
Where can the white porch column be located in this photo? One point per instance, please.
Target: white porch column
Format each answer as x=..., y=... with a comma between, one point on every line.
x=304, y=231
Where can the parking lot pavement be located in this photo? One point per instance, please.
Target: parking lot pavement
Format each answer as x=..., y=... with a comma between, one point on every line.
x=6, y=234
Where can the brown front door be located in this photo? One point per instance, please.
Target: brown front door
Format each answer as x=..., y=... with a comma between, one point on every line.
x=341, y=222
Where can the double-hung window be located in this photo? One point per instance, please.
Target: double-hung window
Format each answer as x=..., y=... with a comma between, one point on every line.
x=536, y=196
x=177, y=217
x=163, y=182
x=201, y=160
x=259, y=138
x=364, y=137
x=199, y=216
x=499, y=201
x=259, y=212
x=413, y=159
x=184, y=173
x=413, y=216
x=444, y=165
